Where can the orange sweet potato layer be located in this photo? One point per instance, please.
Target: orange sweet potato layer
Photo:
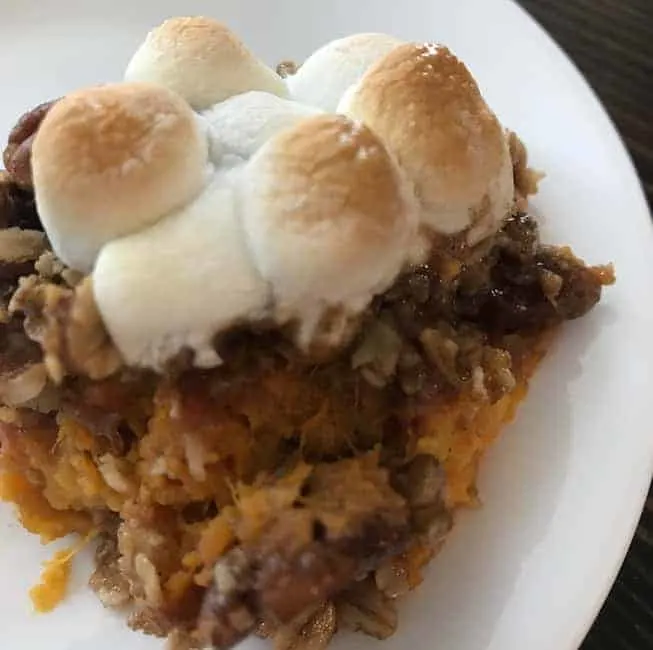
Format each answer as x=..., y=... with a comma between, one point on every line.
x=61, y=477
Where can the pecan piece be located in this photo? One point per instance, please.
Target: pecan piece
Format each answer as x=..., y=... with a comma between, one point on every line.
x=17, y=206
x=365, y=608
x=19, y=250
x=287, y=69
x=345, y=523
x=312, y=630
x=17, y=155
x=67, y=325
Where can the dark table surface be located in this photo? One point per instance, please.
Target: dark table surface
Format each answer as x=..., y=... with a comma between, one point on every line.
x=611, y=41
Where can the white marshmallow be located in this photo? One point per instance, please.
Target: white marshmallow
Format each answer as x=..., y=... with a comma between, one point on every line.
x=201, y=60
x=330, y=221
x=242, y=124
x=179, y=283
x=325, y=76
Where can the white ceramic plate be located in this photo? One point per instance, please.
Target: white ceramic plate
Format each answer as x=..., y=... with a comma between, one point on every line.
x=564, y=487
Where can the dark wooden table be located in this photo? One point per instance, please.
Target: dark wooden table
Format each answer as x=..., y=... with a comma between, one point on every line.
x=611, y=41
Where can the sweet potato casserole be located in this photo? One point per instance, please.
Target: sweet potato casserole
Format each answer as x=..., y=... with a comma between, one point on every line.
x=259, y=329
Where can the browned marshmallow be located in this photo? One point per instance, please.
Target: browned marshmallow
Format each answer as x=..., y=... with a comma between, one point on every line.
x=426, y=107
x=202, y=60
x=109, y=161
x=329, y=218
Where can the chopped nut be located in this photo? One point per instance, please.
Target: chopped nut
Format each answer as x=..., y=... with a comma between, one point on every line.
x=422, y=481
x=365, y=608
x=313, y=630
x=24, y=385
x=49, y=266
x=19, y=249
x=287, y=69
x=392, y=577
x=112, y=470
x=551, y=285
x=151, y=621
x=499, y=378
x=17, y=206
x=479, y=391
x=442, y=352
x=149, y=577
x=110, y=586
x=17, y=155
x=228, y=573
x=182, y=640
x=67, y=325
x=378, y=354
x=433, y=522
x=411, y=371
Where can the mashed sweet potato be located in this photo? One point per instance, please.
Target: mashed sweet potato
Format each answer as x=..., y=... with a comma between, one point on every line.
x=208, y=491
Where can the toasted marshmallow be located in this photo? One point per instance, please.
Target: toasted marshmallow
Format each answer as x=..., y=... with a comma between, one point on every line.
x=241, y=125
x=201, y=60
x=325, y=76
x=110, y=160
x=176, y=285
x=426, y=107
x=329, y=220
